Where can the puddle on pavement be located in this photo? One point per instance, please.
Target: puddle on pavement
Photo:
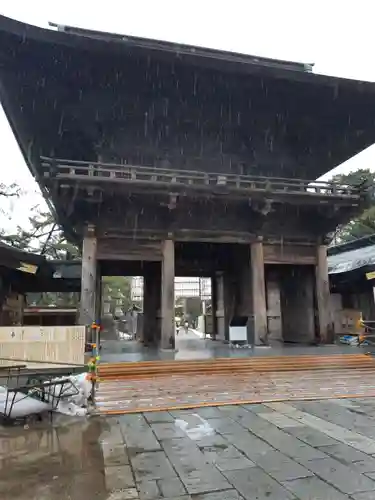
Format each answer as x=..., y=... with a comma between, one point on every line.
x=198, y=431
x=63, y=461
x=76, y=458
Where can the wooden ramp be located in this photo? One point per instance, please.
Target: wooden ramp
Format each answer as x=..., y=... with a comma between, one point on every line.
x=162, y=385
x=148, y=369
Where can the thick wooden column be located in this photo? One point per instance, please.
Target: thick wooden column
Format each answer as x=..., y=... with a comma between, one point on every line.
x=151, y=303
x=167, y=296
x=214, y=307
x=323, y=295
x=147, y=308
x=258, y=293
x=98, y=294
x=98, y=300
x=220, y=311
x=156, y=336
x=230, y=296
x=244, y=303
x=88, y=279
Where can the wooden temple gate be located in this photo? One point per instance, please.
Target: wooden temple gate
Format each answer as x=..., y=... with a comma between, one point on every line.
x=164, y=160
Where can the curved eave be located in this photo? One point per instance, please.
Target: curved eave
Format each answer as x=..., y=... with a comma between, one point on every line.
x=97, y=41
x=19, y=261
x=7, y=107
x=21, y=255
x=352, y=260
x=30, y=162
x=183, y=49
x=352, y=245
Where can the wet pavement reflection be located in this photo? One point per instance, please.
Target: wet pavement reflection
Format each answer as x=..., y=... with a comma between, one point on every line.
x=58, y=461
x=191, y=346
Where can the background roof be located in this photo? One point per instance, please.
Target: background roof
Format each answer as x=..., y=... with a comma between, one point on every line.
x=352, y=255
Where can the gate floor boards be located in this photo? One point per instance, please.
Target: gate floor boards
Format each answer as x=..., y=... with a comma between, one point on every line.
x=168, y=392
x=149, y=369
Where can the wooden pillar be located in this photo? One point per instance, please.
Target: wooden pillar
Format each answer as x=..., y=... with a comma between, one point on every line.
x=167, y=296
x=323, y=295
x=220, y=311
x=258, y=293
x=156, y=334
x=151, y=303
x=230, y=296
x=244, y=303
x=88, y=279
x=147, y=307
x=214, y=307
x=98, y=299
x=98, y=294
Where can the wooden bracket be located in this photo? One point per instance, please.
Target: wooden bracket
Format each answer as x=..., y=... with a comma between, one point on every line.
x=90, y=231
x=263, y=207
x=173, y=197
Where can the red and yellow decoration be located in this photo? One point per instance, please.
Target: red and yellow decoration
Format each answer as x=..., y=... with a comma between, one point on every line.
x=92, y=367
x=95, y=358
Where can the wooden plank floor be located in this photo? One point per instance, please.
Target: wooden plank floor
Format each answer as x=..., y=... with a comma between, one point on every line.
x=149, y=369
x=178, y=391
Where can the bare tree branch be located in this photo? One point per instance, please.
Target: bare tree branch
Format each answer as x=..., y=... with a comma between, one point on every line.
x=9, y=191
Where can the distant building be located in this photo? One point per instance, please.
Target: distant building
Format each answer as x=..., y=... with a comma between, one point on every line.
x=184, y=287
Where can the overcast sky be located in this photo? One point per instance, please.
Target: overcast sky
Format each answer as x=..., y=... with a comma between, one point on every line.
x=337, y=36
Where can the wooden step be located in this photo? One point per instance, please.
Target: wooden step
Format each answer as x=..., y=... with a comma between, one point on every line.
x=150, y=369
x=173, y=392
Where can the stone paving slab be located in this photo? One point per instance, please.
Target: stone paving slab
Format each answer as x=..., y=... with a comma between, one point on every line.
x=350, y=456
x=220, y=495
x=369, y=495
x=162, y=488
x=337, y=432
x=255, y=483
x=281, y=467
x=311, y=436
x=114, y=454
x=256, y=408
x=152, y=465
x=341, y=476
x=128, y=494
x=287, y=444
x=313, y=488
x=159, y=417
x=118, y=477
x=167, y=431
x=226, y=458
x=281, y=421
x=224, y=425
x=251, y=446
x=354, y=419
x=208, y=412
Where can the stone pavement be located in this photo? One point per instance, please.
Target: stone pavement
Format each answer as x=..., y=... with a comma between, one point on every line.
x=321, y=450
x=276, y=451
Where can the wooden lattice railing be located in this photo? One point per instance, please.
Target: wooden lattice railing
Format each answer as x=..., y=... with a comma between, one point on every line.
x=107, y=172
